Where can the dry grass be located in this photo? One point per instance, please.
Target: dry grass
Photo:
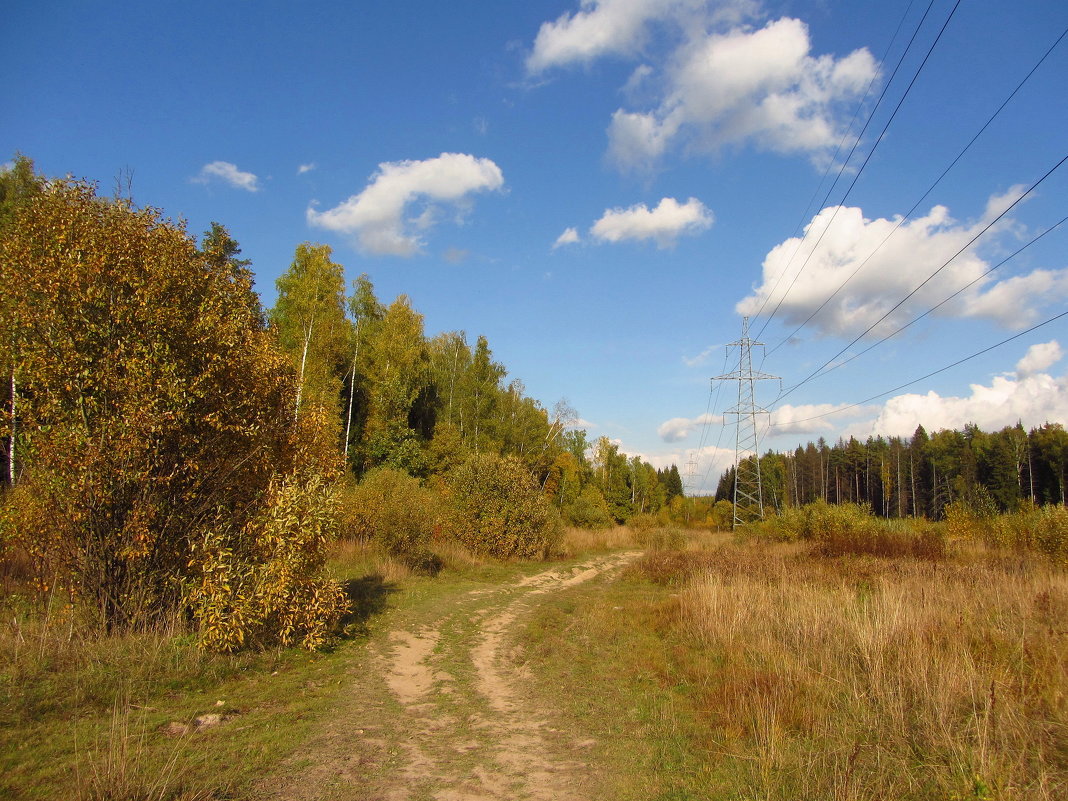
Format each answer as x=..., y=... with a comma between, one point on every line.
x=454, y=555
x=581, y=541
x=355, y=556
x=863, y=678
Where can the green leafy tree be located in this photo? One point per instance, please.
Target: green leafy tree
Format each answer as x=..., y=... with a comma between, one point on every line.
x=396, y=375
x=366, y=317
x=480, y=388
x=309, y=318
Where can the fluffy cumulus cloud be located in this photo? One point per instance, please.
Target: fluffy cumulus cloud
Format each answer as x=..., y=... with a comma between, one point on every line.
x=382, y=218
x=1032, y=399
x=1039, y=357
x=229, y=174
x=303, y=168
x=601, y=27
x=891, y=257
x=722, y=80
x=570, y=236
x=811, y=418
x=679, y=428
x=664, y=224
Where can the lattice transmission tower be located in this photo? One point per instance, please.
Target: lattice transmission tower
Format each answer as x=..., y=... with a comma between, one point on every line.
x=748, y=493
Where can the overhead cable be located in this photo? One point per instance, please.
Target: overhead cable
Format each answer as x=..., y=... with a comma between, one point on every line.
x=901, y=220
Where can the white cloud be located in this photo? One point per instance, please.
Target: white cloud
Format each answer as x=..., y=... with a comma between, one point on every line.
x=377, y=215
x=745, y=86
x=455, y=255
x=1032, y=399
x=570, y=236
x=708, y=77
x=1039, y=357
x=303, y=168
x=602, y=27
x=810, y=418
x=665, y=223
x=227, y=173
x=679, y=428
x=891, y=269
x=701, y=357
x=621, y=27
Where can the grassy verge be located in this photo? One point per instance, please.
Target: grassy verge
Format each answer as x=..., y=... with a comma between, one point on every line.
x=86, y=717
x=751, y=670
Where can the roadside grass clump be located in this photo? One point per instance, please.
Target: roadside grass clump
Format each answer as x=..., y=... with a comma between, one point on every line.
x=86, y=716
x=577, y=542
x=120, y=766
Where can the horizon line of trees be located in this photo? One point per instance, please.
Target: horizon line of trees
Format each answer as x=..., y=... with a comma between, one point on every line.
x=920, y=476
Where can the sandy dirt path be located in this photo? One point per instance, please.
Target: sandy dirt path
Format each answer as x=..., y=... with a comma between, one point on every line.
x=439, y=710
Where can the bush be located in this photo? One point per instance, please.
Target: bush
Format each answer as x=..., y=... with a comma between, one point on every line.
x=641, y=523
x=265, y=586
x=495, y=507
x=390, y=508
x=589, y=510
x=1038, y=528
x=850, y=528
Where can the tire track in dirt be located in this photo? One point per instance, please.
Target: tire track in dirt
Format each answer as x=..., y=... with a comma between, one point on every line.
x=446, y=716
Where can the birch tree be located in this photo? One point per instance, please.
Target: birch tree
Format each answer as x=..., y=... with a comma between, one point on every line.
x=309, y=318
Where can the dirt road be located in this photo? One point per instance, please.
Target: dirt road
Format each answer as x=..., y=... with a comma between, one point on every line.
x=439, y=710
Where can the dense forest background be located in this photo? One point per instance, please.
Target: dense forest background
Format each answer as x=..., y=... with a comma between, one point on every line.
x=920, y=476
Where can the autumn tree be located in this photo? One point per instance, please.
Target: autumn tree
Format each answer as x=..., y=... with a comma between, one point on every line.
x=18, y=185
x=164, y=468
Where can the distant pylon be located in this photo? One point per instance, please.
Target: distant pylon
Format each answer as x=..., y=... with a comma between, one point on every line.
x=748, y=493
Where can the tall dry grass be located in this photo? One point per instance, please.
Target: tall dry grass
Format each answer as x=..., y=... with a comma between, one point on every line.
x=580, y=541
x=860, y=678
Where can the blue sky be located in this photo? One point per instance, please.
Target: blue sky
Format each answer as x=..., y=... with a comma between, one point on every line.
x=602, y=187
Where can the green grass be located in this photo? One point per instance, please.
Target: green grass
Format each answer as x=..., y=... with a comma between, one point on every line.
x=84, y=716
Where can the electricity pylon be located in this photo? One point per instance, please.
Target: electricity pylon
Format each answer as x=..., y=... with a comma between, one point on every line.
x=748, y=493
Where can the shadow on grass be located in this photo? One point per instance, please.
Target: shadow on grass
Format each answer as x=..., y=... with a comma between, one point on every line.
x=367, y=596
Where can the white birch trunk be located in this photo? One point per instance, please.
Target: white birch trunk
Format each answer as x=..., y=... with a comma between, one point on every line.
x=11, y=443
x=303, y=362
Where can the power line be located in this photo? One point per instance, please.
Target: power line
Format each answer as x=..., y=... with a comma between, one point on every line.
x=864, y=164
x=856, y=141
x=930, y=189
x=919, y=286
x=933, y=373
x=949, y=298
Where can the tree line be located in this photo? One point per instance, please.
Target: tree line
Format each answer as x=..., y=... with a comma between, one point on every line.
x=920, y=476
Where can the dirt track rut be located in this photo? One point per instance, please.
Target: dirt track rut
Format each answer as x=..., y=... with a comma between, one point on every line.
x=439, y=711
